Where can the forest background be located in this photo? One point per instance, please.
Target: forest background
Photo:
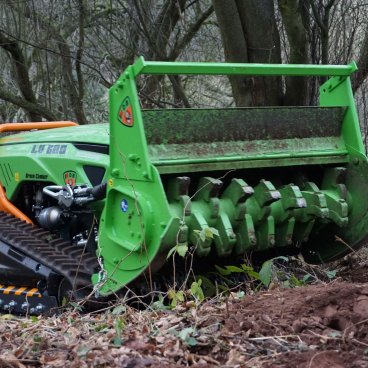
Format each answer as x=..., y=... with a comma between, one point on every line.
x=59, y=58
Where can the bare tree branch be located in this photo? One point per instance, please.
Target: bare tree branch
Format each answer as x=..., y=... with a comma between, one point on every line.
x=182, y=43
x=105, y=82
x=317, y=16
x=32, y=107
x=21, y=72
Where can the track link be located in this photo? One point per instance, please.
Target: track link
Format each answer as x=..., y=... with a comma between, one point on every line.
x=72, y=263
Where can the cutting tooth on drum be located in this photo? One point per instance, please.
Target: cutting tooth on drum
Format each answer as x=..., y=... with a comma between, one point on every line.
x=316, y=209
x=177, y=190
x=205, y=203
x=238, y=191
x=335, y=191
x=282, y=210
x=259, y=207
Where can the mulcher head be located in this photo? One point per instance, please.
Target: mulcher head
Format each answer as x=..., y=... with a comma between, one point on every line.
x=292, y=179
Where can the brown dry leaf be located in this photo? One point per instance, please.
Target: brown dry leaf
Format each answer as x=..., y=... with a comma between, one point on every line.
x=140, y=345
x=54, y=358
x=19, y=352
x=216, y=349
x=163, y=324
x=8, y=360
x=72, y=334
x=174, y=320
x=234, y=358
x=161, y=339
x=173, y=350
x=267, y=318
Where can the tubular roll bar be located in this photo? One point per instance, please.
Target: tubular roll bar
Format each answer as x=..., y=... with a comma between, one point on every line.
x=162, y=67
x=16, y=127
x=7, y=206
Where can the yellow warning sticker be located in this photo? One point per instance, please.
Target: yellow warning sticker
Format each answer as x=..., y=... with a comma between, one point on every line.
x=8, y=290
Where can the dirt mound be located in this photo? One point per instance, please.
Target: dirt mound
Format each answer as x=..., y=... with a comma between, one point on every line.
x=354, y=266
x=315, y=326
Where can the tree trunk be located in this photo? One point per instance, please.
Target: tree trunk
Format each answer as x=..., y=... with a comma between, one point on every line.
x=249, y=32
x=362, y=73
x=259, y=25
x=296, y=87
x=235, y=47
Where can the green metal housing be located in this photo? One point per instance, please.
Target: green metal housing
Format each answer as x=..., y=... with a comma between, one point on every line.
x=315, y=201
x=287, y=179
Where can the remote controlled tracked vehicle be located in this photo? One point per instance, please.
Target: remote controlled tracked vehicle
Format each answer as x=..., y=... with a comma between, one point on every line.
x=95, y=207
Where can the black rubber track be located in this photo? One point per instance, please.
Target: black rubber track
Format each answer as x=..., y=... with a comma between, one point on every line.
x=69, y=261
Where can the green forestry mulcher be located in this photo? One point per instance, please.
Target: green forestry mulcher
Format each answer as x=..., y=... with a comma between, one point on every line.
x=94, y=207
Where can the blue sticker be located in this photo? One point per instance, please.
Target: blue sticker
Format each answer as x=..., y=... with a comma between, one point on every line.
x=124, y=205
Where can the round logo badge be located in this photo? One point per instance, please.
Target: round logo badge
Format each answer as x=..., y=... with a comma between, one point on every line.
x=124, y=205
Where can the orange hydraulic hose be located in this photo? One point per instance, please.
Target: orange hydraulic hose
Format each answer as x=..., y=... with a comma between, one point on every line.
x=7, y=206
x=14, y=127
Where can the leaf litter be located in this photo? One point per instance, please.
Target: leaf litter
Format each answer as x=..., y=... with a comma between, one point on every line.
x=324, y=324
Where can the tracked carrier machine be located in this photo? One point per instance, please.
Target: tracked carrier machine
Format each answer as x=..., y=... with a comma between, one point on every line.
x=92, y=208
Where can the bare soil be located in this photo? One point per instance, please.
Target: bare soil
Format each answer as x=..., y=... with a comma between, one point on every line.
x=323, y=325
